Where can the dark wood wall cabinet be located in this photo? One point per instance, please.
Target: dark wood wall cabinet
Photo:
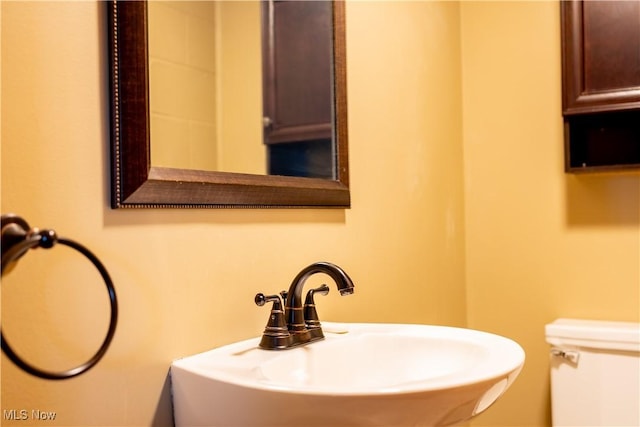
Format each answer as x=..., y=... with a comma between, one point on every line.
x=601, y=84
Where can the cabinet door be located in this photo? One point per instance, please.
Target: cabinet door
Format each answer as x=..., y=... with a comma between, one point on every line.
x=600, y=55
x=297, y=75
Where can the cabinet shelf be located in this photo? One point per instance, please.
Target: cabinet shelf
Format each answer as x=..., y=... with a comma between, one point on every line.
x=602, y=141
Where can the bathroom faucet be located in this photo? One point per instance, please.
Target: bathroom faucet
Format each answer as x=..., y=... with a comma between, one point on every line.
x=299, y=324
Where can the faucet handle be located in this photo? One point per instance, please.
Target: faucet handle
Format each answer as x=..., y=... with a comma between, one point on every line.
x=261, y=299
x=311, y=319
x=276, y=334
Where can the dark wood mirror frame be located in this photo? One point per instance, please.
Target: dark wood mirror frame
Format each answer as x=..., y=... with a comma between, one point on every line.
x=135, y=183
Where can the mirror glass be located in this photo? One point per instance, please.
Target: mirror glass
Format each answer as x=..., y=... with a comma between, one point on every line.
x=228, y=103
x=225, y=79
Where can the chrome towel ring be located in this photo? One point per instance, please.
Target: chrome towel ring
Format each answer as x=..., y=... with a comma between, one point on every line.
x=17, y=239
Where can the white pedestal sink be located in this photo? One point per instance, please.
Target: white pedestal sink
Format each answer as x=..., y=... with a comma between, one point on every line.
x=360, y=375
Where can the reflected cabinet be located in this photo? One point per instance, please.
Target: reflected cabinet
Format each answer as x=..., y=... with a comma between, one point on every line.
x=297, y=101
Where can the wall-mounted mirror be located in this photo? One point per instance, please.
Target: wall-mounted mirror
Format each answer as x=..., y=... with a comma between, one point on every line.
x=260, y=101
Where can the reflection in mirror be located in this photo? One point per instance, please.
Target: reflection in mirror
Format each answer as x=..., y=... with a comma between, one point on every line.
x=205, y=85
x=143, y=178
x=297, y=96
x=224, y=73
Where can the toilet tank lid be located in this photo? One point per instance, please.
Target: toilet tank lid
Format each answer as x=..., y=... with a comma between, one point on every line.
x=594, y=334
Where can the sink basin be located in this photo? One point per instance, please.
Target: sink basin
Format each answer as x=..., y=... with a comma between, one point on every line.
x=362, y=374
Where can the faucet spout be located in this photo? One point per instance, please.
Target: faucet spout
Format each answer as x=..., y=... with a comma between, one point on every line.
x=293, y=307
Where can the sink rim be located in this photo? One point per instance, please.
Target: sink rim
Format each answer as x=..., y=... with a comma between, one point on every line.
x=502, y=358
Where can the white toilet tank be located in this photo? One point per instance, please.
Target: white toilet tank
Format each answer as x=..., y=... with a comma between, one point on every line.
x=595, y=372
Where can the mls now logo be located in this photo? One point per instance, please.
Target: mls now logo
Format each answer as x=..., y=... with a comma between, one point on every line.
x=23, y=415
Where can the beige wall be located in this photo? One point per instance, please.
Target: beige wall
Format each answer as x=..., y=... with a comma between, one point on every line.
x=540, y=244
x=433, y=97
x=186, y=279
